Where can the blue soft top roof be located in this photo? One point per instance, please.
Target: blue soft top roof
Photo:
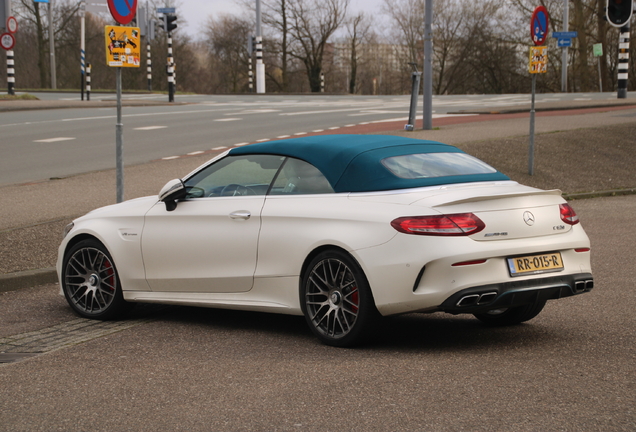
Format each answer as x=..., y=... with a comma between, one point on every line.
x=352, y=163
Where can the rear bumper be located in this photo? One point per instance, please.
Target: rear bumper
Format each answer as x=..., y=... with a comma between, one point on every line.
x=516, y=293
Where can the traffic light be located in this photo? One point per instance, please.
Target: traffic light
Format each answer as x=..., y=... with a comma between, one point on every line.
x=170, y=22
x=619, y=12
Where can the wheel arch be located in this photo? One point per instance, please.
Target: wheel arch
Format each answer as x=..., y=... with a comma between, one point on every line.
x=325, y=248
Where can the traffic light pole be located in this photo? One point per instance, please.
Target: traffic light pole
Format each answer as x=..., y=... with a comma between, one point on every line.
x=623, y=61
x=170, y=70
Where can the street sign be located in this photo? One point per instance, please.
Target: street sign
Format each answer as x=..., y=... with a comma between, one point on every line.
x=7, y=41
x=565, y=34
x=12, y=24
x=166, y=10
x=122, y=46
x=538, y=60
x=597, y=49
x=123, y=10
x=96, y=6
x=564, y=42
x=539, y=24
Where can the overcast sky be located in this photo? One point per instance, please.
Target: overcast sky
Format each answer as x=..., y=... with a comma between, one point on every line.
x=196, y=12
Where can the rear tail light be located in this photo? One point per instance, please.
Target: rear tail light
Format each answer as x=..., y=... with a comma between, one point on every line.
x=462, y=224
x=568, y=215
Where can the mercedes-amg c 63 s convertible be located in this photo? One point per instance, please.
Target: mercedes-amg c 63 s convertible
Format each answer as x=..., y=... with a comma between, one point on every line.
x=343, y=229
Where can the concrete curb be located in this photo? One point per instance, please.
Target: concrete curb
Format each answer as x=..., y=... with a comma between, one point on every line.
x=27, y=279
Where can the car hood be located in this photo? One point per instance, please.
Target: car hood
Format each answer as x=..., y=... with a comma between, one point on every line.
x=133, y=207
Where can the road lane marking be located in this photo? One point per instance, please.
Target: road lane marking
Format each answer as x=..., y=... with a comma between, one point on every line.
x=219, y=148
x=196, y=153
x=228, y=119
x=145, y=128
x=51, y=140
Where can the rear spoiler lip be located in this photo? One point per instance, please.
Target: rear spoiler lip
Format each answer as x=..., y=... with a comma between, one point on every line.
x=490, y=197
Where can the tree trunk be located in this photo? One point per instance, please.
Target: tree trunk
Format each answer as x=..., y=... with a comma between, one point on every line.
x=41, y=46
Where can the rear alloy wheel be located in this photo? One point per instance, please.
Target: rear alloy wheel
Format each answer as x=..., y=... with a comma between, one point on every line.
x=511, y=316
x=91, y=283
x=337, y=301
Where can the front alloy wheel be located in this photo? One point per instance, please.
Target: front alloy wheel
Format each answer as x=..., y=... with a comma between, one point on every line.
x=336, y=300
x=91, y=284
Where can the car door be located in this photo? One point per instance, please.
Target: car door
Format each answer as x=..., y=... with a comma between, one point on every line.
x=209, y=242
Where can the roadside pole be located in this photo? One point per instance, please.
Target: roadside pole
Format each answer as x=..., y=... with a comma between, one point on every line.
x=538, y=63
x=7, y=41
x=623, y=61
x=427, y=118
x=52, y=46
x=564, y=50
x=119, y=142
x=82, y=14
x=260, y=67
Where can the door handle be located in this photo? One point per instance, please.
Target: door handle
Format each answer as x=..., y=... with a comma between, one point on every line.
x=241, y=214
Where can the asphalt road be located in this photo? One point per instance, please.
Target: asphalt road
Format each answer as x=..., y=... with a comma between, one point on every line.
x=42, y=144
x=570, y=369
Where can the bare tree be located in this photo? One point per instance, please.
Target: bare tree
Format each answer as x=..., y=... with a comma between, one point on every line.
x=359, y=30
x=313, y=22
x=226, y=41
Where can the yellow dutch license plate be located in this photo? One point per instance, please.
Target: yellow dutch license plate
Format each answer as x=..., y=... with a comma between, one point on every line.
x=535, y=264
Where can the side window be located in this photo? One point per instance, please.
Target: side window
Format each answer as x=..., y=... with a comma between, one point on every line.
x=235, y=176
x=299, y=177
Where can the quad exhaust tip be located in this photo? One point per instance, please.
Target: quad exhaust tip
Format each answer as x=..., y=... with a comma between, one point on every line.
x=477, y=299
x=582, y=286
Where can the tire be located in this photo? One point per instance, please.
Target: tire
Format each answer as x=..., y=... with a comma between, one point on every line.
x=337, y=301
x=91, y=282
x=511, y=316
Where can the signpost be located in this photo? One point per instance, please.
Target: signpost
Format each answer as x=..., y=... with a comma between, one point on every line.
x=122, y=50
x=538, y=63
x=597, y=50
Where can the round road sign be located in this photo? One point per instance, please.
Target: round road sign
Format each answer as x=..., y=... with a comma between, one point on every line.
x=7, y=41
x=123, y=10
x=12, y=24
x=539, y=25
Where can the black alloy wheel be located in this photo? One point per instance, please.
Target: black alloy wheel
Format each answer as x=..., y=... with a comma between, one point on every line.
x=337, y=301
x=91, y=283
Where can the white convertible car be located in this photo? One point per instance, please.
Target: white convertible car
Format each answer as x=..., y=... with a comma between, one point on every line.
x=342, y=229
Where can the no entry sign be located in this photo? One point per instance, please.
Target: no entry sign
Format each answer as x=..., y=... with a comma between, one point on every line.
x=123, y=10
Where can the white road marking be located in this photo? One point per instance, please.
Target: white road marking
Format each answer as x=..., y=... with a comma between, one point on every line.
x=151, y=127
x=228, y=119
x=218, y=148
x=51, y=140
x=241, y=144
x=171, y=157
x=196, y=153
x=263, y=140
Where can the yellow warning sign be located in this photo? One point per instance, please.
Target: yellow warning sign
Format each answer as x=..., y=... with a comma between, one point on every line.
x=538, y=59
x=122, y=46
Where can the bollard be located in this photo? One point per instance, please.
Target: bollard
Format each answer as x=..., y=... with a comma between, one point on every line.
x=416, y=77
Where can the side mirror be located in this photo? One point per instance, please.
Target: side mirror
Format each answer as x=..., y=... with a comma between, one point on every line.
x=173, y=191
